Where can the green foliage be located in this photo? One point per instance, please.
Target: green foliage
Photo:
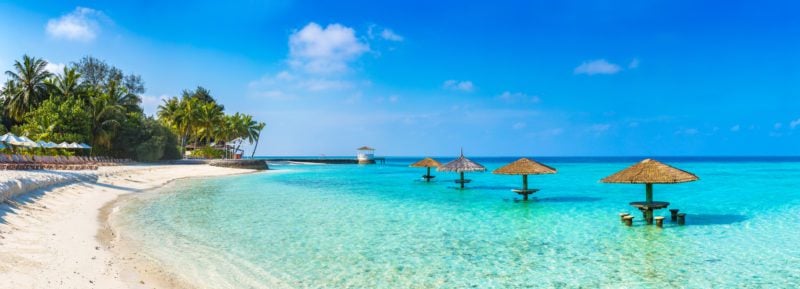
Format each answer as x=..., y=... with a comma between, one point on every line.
x=208, y=153
x=96, y=103
x=65, y=121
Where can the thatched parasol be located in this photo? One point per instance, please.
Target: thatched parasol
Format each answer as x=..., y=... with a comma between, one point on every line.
x=650, y=172
x=462, y=165
x=525, y=167
x=427, y=163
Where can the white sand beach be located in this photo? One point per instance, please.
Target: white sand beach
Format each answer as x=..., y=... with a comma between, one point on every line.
x=53, y=233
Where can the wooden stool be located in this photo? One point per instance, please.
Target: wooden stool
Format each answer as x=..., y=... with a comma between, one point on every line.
x=622, y=216
x=628, y=220
x=659, y=221
x=674, y=214
x=681, y=219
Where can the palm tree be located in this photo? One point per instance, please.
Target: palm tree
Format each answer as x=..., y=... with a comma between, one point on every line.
x=209, y=117
x=106, y=113
x=30, y=87
x=67, y=85
x=258, y=128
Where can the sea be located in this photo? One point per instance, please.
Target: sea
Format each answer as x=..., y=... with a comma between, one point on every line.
x=383, y=226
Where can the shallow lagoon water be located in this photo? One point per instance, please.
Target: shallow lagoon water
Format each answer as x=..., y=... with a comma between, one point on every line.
x=379, y=226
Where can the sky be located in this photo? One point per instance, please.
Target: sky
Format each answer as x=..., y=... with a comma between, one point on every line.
x=414, y=78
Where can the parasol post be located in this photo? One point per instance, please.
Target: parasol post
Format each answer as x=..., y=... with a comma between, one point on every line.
x=462, y=180
x=428, y=176
x=525, y=182
x=649, y=192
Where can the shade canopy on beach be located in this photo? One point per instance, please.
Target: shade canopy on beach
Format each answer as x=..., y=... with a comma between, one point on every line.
x=84, y=146
x=365, y=148
x=525, y=167
x=45, y=144
x=462, y=165
x=649, y=172
x=427, y=163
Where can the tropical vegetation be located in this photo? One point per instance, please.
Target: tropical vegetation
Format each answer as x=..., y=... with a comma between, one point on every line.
x=93, y=102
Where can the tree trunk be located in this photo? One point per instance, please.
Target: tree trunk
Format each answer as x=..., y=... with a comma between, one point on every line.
x=256, y=146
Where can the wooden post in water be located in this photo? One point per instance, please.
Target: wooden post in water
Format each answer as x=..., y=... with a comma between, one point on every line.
x=681, y=219
x=659, y=221
x=628, y=220
x=525, y=187
x=673, y=214
x=622, y=216
x=648, y=213
x=462, y=180
x=428, y=176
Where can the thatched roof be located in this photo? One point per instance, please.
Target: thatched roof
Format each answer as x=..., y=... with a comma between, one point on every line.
x=462, y=164
x=525, y=166
x=426, y=163
x=365, y=148
x=650, y=171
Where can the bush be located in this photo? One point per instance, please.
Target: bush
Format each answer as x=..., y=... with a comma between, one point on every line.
x=208, y=153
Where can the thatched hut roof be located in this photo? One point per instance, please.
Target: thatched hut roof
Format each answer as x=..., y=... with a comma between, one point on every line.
x=462, y=164
x=426, y=163
x=525, y=166
x=365, y=148
x=650, y=171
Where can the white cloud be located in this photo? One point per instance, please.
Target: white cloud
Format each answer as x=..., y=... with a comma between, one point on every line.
x=388, y=34
x=286, y=85
x=777, y=125
x=519, y=125
x=82, y=24
x=599, y=66
x=55, y=68
x=517, y=97
x=795, y=123
x=736, y=128
x=324, y=50
x=633, y=64
x=465, y=85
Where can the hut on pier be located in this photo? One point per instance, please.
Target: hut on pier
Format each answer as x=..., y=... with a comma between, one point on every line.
x=649, y=172
x=427, y=163
x=462, y=165
x=525, y=167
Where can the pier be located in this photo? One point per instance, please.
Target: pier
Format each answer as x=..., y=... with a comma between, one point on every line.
x=337, y=161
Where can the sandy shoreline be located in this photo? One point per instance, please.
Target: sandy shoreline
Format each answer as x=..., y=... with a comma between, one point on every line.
x=58, y=237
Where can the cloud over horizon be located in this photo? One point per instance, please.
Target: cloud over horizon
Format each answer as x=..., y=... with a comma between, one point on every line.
x=319, y=50
x=459, y=85
x=598, y=66
x=82, y=24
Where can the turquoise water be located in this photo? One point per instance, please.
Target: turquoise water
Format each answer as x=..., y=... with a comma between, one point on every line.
x=378, y=226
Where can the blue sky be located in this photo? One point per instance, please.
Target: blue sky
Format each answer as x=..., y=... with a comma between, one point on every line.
x=419, y=78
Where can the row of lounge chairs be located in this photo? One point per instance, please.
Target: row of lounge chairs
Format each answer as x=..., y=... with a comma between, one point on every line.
x=20, y=162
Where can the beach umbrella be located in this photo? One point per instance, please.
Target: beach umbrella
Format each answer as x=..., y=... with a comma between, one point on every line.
x=427, y=163
x=44, y=144
x=525, y=167
x=462, y=165
x=63, y=145
x=10, y=138
x=52, y=144
x=649, y=172
x=84, y=146
x=75, y=146
x=26, y=142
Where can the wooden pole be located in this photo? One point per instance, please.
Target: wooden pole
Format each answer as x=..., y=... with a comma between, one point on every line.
x=428, y=176
x=462, y=180
x=525, y=182
x=524, y=187
x=649, y=192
